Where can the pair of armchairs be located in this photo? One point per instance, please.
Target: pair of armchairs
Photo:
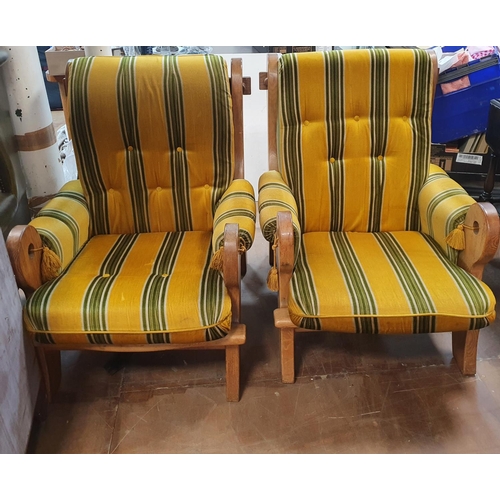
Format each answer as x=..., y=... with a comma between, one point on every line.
x=144, y=251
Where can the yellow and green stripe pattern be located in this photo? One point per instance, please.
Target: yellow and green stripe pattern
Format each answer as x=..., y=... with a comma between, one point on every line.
x=354, y=137
x=151, y=158
x=443, y=204
x=155, y=287
x=391, y=282
x=237, y=206
x=275, y=196
x=63, y=223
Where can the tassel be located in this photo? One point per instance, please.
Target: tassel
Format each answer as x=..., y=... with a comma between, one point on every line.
x=218, y=259
x=272, y=280
x=272, y=277
x=456, y=239
x=50, y=265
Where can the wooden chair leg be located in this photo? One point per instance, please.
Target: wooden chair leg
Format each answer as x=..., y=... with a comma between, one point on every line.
x=50, y=366
x=288, y=355
x=465, y=350
x=233, y=373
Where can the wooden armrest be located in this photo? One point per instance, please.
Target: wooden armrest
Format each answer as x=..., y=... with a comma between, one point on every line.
x=24, y=248
x=231, y=269
x=481, y=238
x=285, y=254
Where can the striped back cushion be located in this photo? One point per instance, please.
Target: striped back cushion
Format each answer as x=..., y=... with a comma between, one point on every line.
x=354, y=136
x=153, y=140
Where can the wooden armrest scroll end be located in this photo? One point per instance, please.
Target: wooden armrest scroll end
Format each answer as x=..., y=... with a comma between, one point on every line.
x=285, y=254
x=481, y=238
x=232, y=268
x=23, y=245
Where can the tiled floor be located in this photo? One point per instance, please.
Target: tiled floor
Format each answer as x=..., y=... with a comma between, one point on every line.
x=353, y=394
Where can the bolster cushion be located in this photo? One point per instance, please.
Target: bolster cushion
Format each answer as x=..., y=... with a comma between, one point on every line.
x=63, y=224
x=443, y=204
x=237, y=206
x=275, y=196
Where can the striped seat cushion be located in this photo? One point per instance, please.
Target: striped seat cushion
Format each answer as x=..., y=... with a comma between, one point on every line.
x=392, y=282
x=134, y=288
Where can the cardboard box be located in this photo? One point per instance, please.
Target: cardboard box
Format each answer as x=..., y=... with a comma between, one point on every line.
x=288, y=50
x=444, y=160
x=459, y=162
x=57, y=59
x=443, y=155
x=471, y=162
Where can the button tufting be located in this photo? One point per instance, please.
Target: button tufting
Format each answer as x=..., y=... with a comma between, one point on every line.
x=130, y=148
x=111, y=190
x=306, y=123
x=206, y=186
x=405, y=118
x=356, y=118
x=332, y=160
x=158, y=188
x=164, y=275
x=179, y=150
x=380, y=157
x=105, y=275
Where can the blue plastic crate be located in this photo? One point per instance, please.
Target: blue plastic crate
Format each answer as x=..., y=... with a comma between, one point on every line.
x=465, y=112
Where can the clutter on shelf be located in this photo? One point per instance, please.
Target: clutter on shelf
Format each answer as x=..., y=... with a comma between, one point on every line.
x=469, y=77
x=469, y=154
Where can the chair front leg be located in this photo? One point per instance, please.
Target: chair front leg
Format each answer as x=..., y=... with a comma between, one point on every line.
x=285, y=260
x=464, y=346
x=233, y=373
x=287, y=338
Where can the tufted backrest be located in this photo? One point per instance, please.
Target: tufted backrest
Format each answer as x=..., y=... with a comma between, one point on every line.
x=354, y=136
x=153, y=140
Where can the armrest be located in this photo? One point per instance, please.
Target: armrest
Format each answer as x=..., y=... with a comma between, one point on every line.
x=63, y=224
x=285, y=255
x=275, y=196
x=237, y=206
x=50, y=241
x=231, y=269
x=443, y=205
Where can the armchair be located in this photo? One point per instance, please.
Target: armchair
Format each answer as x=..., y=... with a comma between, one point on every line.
x=368, y=236
x=159, y=149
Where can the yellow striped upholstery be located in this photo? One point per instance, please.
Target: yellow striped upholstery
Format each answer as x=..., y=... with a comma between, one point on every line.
x=443, y=204
x=150, y=159
x=159, y=284
x=237, y=206
x=353, y=145
x=354, y=137
x=153, y=140
x=63, y=223
x=391, y=282
x=275, y=196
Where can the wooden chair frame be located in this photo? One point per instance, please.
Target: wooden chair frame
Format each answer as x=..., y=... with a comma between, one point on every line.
x=22, y=240
x=481, y=245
